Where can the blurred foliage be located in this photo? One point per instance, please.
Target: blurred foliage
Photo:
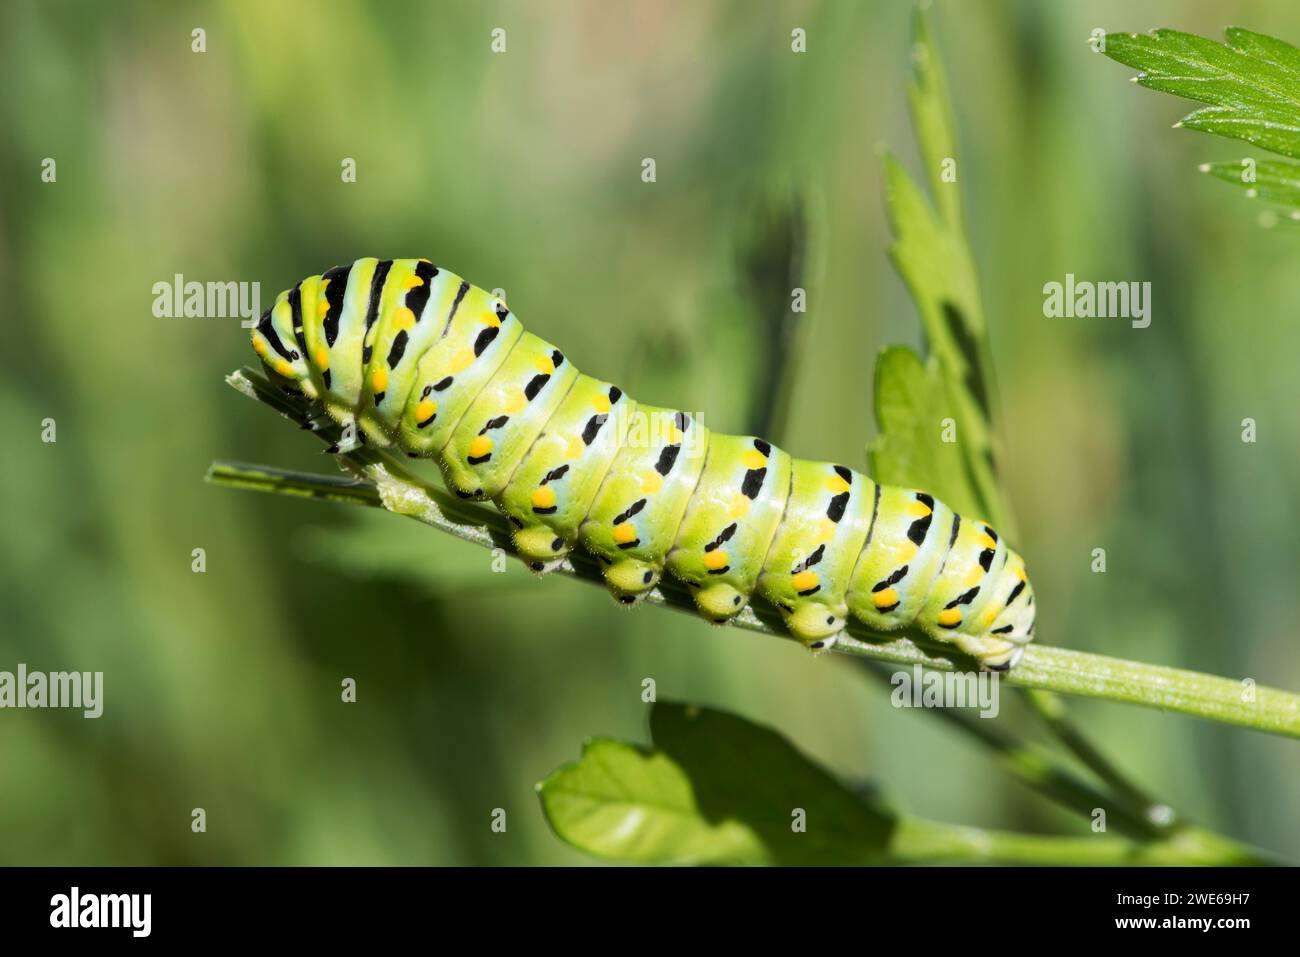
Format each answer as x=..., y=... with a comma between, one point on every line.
x=521, y=170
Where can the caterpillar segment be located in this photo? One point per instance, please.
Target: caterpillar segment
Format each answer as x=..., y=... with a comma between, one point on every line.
x=730, y=523
x=403, y=353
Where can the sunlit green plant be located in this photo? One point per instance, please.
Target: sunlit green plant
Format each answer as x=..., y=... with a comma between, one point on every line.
x=684, y=801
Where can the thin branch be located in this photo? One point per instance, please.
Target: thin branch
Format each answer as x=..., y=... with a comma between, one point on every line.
x=1055, y=669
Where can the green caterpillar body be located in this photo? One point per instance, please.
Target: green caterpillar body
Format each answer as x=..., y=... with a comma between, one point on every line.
x=403, y=353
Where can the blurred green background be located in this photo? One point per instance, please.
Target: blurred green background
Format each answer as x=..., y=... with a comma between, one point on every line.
x=522, y=171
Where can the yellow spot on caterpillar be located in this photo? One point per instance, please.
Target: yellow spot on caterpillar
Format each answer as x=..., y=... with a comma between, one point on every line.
x=988, y=542
x=715, y=559
x=919, y=510
x=825, y=531
x=673, y=435
x=974, y=575
x=515, y=402
x=322, y=357
x=544, y=365
x=379, y=380
x=259, y=346
x=754, y=459
x=836, y=485
x=739, y=506
x=884, y=599
x=651, y=482
x=574, y=448
x=284, y=368
x=949, y=617
x=600, y=402
x=491, y=319
x=480, y=447
x=990, y=616
x=425, y=410
x=461, y=361
x=412, y=281
x=543, y=497
x=624, y=533
x=907, y=550
x=404, y=318
x=322, y=307
x=1020, y=573
x=804, y=581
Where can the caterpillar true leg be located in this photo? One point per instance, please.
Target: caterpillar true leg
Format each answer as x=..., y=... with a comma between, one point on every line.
x=401, y=352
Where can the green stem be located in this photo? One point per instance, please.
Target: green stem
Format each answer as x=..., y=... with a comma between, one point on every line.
x=1054, y=669
x=926, y=842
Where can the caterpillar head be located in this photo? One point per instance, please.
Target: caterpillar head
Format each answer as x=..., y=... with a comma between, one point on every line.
x=540, y=547
x=630, y=579
x=719, y=602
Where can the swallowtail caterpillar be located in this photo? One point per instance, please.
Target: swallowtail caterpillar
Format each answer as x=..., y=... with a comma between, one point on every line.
x=403, y=353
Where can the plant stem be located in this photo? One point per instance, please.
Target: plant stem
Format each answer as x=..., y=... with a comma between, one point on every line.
x=925, y=842
x=1054, y=669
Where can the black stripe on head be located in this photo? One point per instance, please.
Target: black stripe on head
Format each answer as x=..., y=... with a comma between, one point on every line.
x=478, y=459
x=485, y=339
x=325, y=377
x=295, y=303
x=1003, y=630
x=398, y=349
x=839, y=502
x=753, y=483
x=956, y=524
x=723, y=537
x=334, y=292
x=365, y=355
x=843, y=473
x=986, y=559
x=535, y=385
x=682, y=421
x=268, y=332
x=593, y=428
x=991, y=534
x=633, y=509
x=720, y=571
x=376, y=290
x=496, y=423
x=764, y=447
x=556, y=473
x=442, y=384
x=557, y=358
x=925, y=499
x=892, y=580
x=615, y=393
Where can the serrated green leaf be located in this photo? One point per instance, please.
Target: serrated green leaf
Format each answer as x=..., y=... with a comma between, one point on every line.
x=1274, y=181
x=716, y=789
x=911, y=405
x=1252, y=83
